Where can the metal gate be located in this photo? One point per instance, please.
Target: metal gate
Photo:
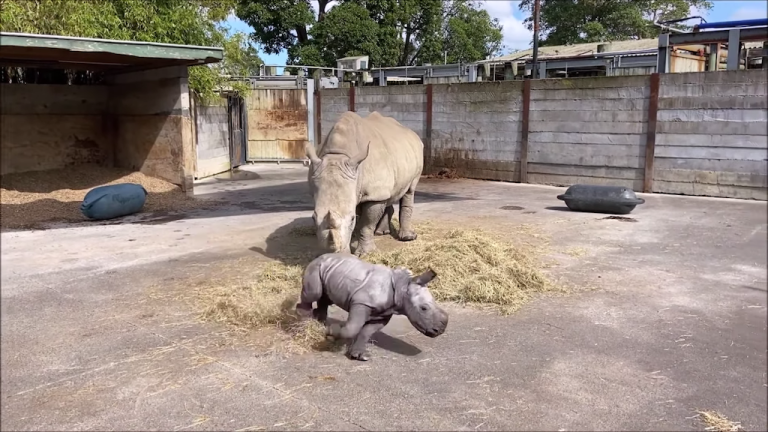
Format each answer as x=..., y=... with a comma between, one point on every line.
x=280, y=109
x=238, y=130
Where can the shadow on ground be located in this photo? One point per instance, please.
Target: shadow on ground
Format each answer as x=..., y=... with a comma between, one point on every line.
x=295, y=244
x=224, y=201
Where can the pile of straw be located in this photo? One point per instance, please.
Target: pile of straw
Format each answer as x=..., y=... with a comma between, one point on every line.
x=473, y=267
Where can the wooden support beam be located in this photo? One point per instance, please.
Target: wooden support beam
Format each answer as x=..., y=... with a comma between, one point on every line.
x=524, y=135
x=650, y=142
x=428, y=132
x=318, y=114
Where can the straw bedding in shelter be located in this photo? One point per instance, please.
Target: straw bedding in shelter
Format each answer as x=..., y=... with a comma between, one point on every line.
x=32, y=198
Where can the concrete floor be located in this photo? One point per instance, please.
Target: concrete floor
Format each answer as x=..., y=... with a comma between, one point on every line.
x=677, y=324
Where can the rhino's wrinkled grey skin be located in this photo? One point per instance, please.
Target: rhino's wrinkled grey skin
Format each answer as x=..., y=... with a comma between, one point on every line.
x=371, y=293
x=364, y=167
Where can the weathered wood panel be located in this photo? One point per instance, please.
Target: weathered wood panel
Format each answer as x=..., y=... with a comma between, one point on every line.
x=212, y=136
x=154, y=127
x=476, y=129
x=713, y=134
x=53, y=126
x=277, y=124
x=589, y=130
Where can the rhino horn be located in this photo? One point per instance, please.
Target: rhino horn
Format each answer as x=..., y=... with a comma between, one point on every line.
x=425, y=278
x=311, y=154
x=360, y=156
x=333, y=220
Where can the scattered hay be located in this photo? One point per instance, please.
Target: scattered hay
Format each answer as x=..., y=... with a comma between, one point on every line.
x=31, y=198
x=718, y=422
x=303, y=231
x=576, y=252
x=473, y=267
x=266, y=300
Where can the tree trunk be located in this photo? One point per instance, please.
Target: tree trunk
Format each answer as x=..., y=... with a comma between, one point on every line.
x=321, y=5
x=406, y=46
x=301, y=34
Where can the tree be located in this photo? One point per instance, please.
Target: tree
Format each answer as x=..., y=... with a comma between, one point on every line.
x=390, y=32
x=472, y=35
x=565, y=22
x=188, y=22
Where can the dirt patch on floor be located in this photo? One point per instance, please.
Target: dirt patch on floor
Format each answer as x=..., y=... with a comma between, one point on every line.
x=28, y=200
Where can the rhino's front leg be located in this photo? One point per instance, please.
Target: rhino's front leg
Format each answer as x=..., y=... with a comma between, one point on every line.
x=406, y=232
x=357, y=351
x=358, y=316
x=385, y=224
x=370, y=215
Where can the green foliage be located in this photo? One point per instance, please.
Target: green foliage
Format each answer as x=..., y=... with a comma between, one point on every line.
x=187, y=22
x=390, y=32
x=570, y=22
x=471, y=35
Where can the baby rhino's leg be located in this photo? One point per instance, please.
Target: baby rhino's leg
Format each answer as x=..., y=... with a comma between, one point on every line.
x=358, y=349
x=358, y=316
x=311, y=289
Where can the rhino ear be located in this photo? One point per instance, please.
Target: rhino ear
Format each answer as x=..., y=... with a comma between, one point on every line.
x=360, y=156
x=425, y=278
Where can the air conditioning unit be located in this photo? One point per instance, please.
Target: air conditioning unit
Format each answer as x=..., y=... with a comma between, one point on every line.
x=353, y=63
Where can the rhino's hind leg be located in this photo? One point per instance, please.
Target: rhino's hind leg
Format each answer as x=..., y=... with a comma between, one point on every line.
x=406, y=232
x=311, y=290
x=321, y=312
x=370, y=215
x=357, y=351
x=385, y=224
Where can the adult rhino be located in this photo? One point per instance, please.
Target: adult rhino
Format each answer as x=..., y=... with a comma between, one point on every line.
x=365, y=166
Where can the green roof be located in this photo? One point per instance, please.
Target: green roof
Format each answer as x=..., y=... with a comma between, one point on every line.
x=23, y=49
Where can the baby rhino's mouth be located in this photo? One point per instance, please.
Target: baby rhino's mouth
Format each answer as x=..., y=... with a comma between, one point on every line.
x=433, y=333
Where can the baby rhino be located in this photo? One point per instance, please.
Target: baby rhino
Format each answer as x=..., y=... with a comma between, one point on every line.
x=371, y=294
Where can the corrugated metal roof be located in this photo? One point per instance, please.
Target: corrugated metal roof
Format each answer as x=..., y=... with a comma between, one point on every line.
x=581, y=49
x=78, y=52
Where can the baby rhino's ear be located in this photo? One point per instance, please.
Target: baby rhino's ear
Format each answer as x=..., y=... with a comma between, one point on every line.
x=425, y=278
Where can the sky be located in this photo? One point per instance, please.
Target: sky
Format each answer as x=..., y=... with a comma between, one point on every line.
x=517, y=37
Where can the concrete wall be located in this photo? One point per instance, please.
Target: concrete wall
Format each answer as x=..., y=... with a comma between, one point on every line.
x=711, y=131
x=153, y=126
x=712, y=134
x=212, y=137
x=476, y=129
x=400, y=102
x=52, y=126
x=588, y=130
x=333, y=103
